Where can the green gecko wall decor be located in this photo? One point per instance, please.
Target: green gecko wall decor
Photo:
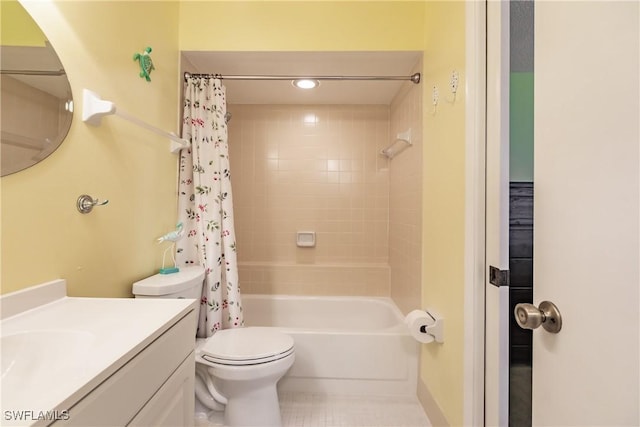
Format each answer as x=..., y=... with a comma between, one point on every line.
x=145, y=62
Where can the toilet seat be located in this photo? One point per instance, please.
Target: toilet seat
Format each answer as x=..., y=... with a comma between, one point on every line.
x=246, y=346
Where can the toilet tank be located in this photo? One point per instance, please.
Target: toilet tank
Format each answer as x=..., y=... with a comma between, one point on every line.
x=186, y=283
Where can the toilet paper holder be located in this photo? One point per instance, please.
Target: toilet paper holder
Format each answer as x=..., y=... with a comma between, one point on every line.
x=436, y=330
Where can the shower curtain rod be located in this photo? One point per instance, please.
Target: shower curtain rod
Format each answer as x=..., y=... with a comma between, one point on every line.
x=34, y=72
x=415, y=78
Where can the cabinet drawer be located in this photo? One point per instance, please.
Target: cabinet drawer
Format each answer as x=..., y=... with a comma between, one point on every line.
x=173, y=405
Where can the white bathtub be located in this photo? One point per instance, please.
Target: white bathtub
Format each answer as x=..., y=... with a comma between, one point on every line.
x=342, y=344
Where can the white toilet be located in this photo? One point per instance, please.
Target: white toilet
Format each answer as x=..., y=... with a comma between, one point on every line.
x=238, y=367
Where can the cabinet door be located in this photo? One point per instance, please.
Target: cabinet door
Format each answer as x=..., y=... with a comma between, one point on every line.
x=118, y=399
x=173, y=404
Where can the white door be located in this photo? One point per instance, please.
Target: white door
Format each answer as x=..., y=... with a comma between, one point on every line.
x=586, y=212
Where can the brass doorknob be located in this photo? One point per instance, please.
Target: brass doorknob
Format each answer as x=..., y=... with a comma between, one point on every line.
x=528, y=316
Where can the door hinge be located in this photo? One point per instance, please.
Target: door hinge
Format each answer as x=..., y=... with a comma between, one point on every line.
x=498, y=277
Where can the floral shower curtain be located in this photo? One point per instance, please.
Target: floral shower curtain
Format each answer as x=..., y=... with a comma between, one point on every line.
x=206, y=206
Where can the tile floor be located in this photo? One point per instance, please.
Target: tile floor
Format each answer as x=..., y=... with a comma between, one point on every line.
x=321, y=410
x=333, y=410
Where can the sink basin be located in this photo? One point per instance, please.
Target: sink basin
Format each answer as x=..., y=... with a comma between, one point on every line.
x=35, y=357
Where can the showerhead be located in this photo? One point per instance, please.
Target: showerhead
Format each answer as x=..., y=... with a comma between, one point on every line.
x=227, y=117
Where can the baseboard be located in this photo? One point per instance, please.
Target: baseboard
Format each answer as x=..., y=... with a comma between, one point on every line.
x=430, y=406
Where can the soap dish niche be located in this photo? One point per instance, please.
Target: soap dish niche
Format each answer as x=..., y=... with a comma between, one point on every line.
x=306, y=239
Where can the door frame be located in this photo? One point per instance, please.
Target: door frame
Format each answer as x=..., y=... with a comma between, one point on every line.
x=486, y=388
x=475, y=218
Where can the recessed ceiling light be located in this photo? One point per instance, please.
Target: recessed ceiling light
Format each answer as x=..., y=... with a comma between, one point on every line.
x=305, y=83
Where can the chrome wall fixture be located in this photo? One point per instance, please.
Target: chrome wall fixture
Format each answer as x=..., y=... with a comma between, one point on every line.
x=86, y=203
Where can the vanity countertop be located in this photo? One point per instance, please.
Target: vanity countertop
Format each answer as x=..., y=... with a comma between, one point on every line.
x=61, y=348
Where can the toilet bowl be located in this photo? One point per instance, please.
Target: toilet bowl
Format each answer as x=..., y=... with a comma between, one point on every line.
x=247, y=364
x=237, y=369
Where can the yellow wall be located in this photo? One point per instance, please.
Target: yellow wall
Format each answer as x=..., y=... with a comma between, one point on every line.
x=43, y=235
x=301, y=25
x=16, y=26
x=443, y=203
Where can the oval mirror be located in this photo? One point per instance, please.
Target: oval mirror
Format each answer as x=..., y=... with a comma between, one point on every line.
x=36, y=102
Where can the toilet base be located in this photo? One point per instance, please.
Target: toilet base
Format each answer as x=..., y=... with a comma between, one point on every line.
x=250, y=390
x=259, y=407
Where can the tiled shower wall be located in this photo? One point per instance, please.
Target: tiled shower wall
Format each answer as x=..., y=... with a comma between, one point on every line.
x=405, y=201
x=311, y=168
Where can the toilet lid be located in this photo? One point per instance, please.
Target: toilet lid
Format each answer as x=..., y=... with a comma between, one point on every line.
x=247, y=346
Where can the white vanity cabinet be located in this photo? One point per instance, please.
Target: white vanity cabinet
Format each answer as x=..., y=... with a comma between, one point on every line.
x=74, y=361
x=154, y=388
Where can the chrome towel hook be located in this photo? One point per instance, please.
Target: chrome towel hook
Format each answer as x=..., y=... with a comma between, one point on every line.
x=86, y=203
